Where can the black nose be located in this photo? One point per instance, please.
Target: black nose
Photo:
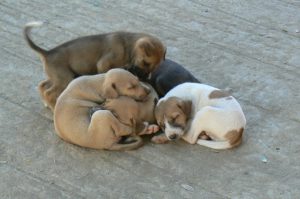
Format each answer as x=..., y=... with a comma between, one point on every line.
x=173, y=137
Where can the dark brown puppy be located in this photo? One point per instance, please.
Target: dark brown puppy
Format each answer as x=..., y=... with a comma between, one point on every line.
x=168, y=75
x=94, y=54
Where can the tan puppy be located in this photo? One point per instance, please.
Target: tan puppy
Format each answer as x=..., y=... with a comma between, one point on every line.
x=138, y=114
x=95, y=54
x=103, y=130
x=200, y=114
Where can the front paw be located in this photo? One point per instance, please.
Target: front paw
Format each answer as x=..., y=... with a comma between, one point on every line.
x=150, y=129
x=160, y=139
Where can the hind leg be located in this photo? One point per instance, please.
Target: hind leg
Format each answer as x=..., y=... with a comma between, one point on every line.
x=51, y=96
x=59, y=78
x=43, y=86
x=197, y=124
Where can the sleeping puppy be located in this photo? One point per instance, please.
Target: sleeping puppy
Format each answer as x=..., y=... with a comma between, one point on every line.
x=137, y=114
x=94, y=54
x=168, y=75
x=200, y=114
x=102, y=130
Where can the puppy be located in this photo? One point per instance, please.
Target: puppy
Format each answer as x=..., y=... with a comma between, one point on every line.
x=138, y=114
x=102, y=130
x=168, y=75
x=200, y=114
x=94, y=54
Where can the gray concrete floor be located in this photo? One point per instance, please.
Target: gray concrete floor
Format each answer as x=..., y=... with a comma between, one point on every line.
x=251, y=47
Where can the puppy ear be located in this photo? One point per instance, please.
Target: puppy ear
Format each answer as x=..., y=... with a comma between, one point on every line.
x=185, y=106
x=110, y=91
x=147, y=46
x=158, y=113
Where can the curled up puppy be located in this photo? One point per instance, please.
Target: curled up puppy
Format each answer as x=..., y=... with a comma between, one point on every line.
x=95, y=54
x=138, y=114
x=168, y=75
x=200, y=114
x=101, y=130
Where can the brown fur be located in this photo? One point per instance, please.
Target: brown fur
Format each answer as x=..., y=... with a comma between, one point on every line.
x=218, y=94
x=134, y=113
x=175, y=110
x=92, y=55
x=102, y=130
x=235, y=137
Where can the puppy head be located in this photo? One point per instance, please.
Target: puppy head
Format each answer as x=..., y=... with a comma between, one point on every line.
x=119, y=82
x=172, y=116
x=124, y=108
x=148, y=53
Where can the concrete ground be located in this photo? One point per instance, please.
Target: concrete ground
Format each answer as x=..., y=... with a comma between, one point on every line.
x=250, y=47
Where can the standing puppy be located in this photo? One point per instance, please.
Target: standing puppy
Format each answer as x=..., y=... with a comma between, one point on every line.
x=95, y=54
x=102, y=130
x=200, y=114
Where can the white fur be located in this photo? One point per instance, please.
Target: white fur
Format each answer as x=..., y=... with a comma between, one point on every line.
x=170, y=130
x=34, y=24
x=214, y=116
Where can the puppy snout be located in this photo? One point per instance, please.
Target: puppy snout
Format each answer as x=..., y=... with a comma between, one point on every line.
x=173, y=137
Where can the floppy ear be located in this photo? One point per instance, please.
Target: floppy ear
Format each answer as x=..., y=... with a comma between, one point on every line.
x=185, y=106
x=158, y=112
x=110, y=91
x=147, y=46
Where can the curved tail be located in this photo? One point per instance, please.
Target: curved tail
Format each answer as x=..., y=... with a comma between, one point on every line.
x=234, y=141
x=26, y=32
x=214, y=144
x=130, y=143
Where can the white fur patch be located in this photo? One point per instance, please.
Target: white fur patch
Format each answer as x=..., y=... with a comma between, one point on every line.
x=170, y=130
x=34, y=23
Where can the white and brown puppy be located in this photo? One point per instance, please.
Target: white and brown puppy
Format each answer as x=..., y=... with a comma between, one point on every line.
x=95, y=54
x=200, y=114
x=102, y=130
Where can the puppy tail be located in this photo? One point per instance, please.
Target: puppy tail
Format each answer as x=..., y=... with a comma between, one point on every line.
x=214, y=144
x=130, y=143
x=26, y=33
x=219, y=145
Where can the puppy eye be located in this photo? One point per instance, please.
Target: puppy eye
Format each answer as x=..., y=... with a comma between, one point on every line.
x=132, y=87
x=162, y=126
x=174, y=118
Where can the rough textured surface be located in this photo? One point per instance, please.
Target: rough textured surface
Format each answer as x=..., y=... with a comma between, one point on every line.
x=249, y=47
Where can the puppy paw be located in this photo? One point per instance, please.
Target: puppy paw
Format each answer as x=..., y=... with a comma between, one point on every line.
x=153, y=128
x=160, y=139
x=150, y=129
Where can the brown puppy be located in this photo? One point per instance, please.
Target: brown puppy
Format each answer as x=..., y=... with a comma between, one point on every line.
x=103, y=130
x=95, y=54
x=139, y=115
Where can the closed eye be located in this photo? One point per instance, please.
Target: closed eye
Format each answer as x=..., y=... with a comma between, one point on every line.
x=173, y=120
x=132, y=87
x=162, y=126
